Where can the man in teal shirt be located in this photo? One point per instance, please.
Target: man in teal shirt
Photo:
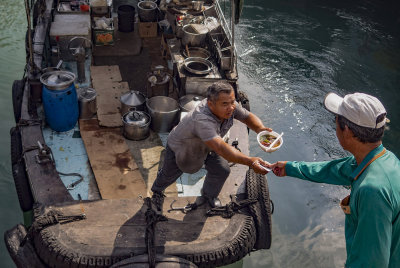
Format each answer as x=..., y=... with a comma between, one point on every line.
x=372, y=210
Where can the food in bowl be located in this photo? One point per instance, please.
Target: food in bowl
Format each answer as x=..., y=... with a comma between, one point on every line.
x=268, y=139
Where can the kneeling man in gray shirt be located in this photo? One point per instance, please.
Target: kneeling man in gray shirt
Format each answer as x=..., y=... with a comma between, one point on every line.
x=197, y=140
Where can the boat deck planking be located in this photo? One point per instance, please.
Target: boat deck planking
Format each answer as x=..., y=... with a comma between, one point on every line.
x=124, y=230
x=117, y=174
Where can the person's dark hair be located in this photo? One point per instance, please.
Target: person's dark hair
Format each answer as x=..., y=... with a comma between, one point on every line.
x=363, y=134
x=216, y=88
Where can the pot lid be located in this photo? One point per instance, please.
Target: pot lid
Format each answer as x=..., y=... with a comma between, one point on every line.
x=189, y=102
x=133, y=98
x=136, y=118
x=57, y=79
x=86, y=94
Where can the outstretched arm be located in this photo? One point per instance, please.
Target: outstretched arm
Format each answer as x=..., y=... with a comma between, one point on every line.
x=231, y=154
x=254, y=123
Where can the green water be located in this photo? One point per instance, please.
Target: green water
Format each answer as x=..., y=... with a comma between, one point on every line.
x=12, y=58
x=291, y=54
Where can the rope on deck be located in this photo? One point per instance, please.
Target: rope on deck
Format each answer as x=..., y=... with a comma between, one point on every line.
x=151, y=219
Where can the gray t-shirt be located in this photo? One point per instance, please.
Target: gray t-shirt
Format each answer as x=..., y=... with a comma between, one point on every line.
x=187, y=139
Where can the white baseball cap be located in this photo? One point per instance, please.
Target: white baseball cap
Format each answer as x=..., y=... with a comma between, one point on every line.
x=361, y=109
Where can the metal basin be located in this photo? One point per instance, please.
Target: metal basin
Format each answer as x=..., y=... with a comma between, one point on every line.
x=164, y=112
x=197, y=65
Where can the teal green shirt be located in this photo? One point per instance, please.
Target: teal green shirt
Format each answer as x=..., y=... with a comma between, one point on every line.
x=372, y=230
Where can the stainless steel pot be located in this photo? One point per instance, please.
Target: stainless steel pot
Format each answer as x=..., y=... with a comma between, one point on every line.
x=133, y=100
x=164, y=112
x=189, y=102
x=87, y=102
x=136, y=125
x=194, y=35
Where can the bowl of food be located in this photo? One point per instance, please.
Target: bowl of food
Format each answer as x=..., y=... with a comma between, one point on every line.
x=266, y=138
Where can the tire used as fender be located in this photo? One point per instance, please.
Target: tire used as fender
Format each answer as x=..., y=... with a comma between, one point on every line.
x=257, y=188
x=17, y=95
x=21, y=181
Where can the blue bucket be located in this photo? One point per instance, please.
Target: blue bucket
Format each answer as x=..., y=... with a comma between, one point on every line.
x=60, y=101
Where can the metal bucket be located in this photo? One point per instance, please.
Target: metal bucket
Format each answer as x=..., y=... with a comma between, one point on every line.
x=147, y=11
x=87, y=103
x=164, y=112
x=158, y=83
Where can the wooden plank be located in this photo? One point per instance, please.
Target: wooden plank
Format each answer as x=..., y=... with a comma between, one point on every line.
x=121, y=224
x=106, y=81
x=116, y=172
x=149, y=156
x=108, y=73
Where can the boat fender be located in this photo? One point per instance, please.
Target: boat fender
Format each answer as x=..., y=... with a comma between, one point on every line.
x=17, y=95
x=238, y=10
x=22, y=186
x=23, y=255
x=244, y=100
x=257, y=188
x=162, y=261
x=16, y=145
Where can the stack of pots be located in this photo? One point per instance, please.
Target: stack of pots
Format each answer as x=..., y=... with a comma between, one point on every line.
x=133, y=100
x=136, y=123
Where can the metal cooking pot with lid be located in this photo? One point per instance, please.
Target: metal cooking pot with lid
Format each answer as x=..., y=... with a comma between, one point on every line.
x=133, y=100
x=136, y=125
x=189, y=102
x=57, y=80
x=87, y=102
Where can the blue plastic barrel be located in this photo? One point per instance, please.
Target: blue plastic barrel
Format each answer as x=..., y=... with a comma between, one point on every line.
x=60, y=101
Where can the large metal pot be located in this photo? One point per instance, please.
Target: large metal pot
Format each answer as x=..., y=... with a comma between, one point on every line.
x=189, y=102
x=136, y=125
x=147, y=11
x=133, y=100
x=164, y=112
x=194, y=35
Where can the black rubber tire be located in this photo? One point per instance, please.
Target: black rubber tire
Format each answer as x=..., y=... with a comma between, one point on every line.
x=17, y=95
x=257, y=188
x=52, y=251
x=244, y=100
x=22, y=186
x=162, y=261
x=16, y=145
x=227, y=254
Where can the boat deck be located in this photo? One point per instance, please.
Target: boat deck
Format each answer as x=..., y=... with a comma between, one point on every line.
x=94, y=147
